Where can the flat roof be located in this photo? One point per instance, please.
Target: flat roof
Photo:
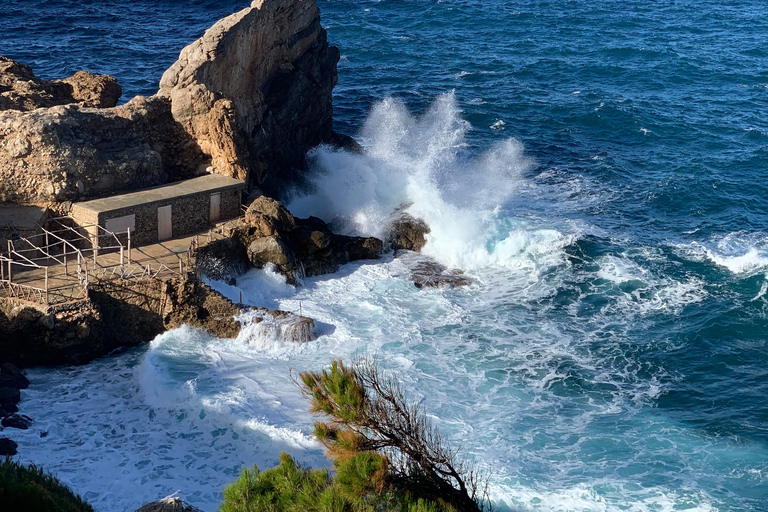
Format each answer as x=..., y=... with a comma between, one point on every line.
x=207, y=183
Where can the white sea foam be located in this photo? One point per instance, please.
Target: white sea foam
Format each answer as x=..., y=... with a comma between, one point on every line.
x=419, y=162
x=739, y=252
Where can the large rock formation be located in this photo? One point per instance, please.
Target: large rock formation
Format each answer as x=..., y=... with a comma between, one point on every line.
x=255, y=90
x=20, y=89
x=67, y=153
x=246, y=100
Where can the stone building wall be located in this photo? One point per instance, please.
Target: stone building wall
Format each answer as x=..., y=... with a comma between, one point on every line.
x=189, y=214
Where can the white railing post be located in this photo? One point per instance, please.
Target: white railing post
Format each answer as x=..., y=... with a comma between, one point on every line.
x=129, y=245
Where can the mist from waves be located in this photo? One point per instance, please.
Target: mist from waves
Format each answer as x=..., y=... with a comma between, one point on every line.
x=422, y=165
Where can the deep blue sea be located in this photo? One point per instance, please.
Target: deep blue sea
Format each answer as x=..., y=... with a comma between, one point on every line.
x=599, y=168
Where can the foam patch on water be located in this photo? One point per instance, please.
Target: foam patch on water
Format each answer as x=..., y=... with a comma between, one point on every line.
x=740, y=252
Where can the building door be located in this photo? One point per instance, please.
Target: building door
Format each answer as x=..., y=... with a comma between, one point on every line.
x=215, y=207
x=164, y=223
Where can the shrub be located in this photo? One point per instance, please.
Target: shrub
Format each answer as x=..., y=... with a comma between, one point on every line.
x=29, y=489
x=386, y=455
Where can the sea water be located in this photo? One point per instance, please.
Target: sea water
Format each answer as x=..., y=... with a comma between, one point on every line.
x=599, y=169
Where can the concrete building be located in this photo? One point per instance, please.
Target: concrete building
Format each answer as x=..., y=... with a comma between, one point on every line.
x=168, y=211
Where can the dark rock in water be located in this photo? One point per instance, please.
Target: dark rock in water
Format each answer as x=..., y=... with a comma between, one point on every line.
x=169, y=504
x=222, y=259
x=424, y=271
x=345, y=142
x=7, y=447
x=408, y=233
x=296, y=247
x=10, y=409
x=19, y=421
x=11, y=376
x=8, y=397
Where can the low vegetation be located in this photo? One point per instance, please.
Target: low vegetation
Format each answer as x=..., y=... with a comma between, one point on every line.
x=30, y=489
x=386, y=455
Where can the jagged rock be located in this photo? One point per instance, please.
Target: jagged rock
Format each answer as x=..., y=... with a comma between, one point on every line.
x=11, y=376
x=255, y=91
x=19, y=421
x=73, y=153
x=269, y=217
x=20, y=89
x=168, y=504
x=7, y=447
x=408, y=232
x=9, y=397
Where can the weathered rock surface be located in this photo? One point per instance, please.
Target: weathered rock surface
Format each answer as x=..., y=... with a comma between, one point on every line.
x=407, y=232
x=297, y=247
x=255, y=91
x=71, y=153
x=20, y=89
x=7, y=447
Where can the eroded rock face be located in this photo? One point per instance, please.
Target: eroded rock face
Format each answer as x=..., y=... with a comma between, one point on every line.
x=72, y=153
x=20, y=89
x=255, y=91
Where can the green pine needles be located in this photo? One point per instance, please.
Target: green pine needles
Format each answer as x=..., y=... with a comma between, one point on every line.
x=386, y=455
x=29, y=489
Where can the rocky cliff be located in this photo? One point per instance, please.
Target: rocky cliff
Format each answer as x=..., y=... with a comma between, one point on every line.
x=255, y=91
x=246, y=100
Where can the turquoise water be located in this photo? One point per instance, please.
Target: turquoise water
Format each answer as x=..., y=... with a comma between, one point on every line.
x=600, y=168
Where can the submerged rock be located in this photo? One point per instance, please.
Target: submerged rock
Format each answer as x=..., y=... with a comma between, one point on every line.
x=426, y=272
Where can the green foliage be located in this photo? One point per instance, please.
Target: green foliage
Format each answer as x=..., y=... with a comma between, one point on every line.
x=290, y=488
x=29, y=489
x=386, y=455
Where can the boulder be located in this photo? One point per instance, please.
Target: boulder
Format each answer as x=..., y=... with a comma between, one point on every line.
x=269, y=217
x=270, y=249
x=19, y=421
x=20, y=89
x=255, y=91
x=7, y=447
x=11, y=376
x=408, y=233
x=168, y=504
